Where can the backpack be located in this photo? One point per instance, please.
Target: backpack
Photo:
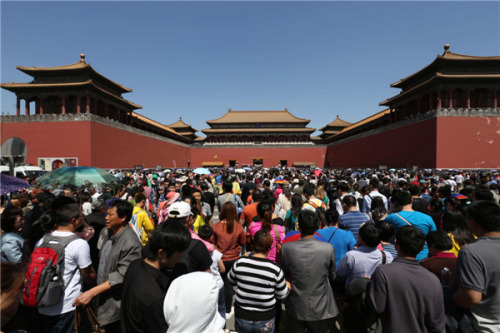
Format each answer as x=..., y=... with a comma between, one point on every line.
x=134, y=224
x=44, y=286
x=321, y=212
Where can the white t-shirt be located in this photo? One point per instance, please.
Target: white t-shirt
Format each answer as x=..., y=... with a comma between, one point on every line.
x=77, y=254
x=214, y=268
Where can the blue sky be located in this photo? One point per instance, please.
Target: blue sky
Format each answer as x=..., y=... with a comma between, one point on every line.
x=197, y=59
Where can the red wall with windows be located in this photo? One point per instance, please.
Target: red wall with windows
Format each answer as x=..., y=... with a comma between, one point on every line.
x=402, y=147
x=270, y=156
x=468, y=142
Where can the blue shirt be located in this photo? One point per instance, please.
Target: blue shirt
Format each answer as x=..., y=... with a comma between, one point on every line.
x=418, y=220
x=342, y=241
x=361, y=263
x=352, y=220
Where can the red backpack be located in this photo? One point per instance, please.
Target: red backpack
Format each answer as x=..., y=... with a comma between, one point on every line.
x=45, y=285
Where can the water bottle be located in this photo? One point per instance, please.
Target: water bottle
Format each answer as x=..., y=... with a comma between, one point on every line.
x=446, y=277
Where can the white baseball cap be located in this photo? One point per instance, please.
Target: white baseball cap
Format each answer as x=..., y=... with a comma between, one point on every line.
x=179, y=209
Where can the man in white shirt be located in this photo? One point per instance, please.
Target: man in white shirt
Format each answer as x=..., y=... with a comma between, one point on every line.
x=343, y=190
x=367, y=200
x=77, y=266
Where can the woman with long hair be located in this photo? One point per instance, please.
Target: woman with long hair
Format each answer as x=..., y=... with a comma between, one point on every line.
x=321, y=194
x=229, y=237
x=292, y=215
x=265, y=212
x=378, y=211
x=455, y=225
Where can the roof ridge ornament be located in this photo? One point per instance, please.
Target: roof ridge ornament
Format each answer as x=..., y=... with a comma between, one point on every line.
x=446, y=49
x=82, y=58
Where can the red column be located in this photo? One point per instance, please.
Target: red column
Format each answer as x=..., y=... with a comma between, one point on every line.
x=41, y=105
x=18, y=106
x=106, y=110
x=27, y=107
x=468, y=98
x=119, y=115
x=95, y=106
x=404, y=112
x=419, y=105
x=430, y=101
x=495, y=98
x=87, y=106
x=450, y=99
x=63, y=105
x=78, y=104
x=439, y=99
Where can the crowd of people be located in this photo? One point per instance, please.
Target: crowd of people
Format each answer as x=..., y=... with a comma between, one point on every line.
x=275, y=249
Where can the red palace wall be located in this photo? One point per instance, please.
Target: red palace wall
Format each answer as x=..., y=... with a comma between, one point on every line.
x=270, y=156
x=402, y=147
x=51, y=139
x=116, y=148
x=94, y=144
x=468, y=142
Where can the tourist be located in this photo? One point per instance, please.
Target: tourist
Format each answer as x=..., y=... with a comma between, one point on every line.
x=120, y=246
x=229, y=238
x=342, y=191
x=206, y=233
x=378, y=211
x=353, y=218
x=455, y=225
x=265, y=215
x=362, y=262
x=408, y=217
x=12, y=241
x=227, y=196
x=191, y=304
x=310, y=305
x=478, y=268
x=250, y=210
x=342, y=240
x=259, y=282
x=145, y=286
x=292, y=215
x=367, y=199
x=141, y=218
x=408, y=297
x=441, y=257
x=75, y=269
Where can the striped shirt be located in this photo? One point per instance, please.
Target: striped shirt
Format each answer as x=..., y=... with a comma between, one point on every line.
x=352, y=220
x=259, y=282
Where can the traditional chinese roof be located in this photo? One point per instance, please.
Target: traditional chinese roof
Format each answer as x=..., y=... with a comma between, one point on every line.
x=158, y=125
x=301, y=130
x=444, y=67
x=79, y=67
x=180, y=125
x=336, y=123
x=19, y=87
x=239, y=117
x=363, y=122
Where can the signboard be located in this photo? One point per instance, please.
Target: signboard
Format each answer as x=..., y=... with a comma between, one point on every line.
x=52, y=163
x=382, y=167
x=159, y=167
x=138, y=167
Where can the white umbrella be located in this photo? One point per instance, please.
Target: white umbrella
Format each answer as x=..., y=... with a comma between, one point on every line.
x=239, y=171
x=201, y=171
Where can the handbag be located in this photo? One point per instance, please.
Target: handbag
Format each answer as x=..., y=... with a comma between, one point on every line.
x=95, y=324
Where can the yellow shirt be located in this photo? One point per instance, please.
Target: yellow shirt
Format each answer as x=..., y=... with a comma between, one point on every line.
x=143, y=221
x=456, y=247
x=198, y=223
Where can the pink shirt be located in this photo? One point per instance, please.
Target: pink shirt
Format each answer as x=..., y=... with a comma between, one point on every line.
x=256, y=226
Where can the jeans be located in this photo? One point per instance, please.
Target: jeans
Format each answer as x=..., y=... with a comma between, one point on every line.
x=222, y=303
x=228, y=288
x=248, y=326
